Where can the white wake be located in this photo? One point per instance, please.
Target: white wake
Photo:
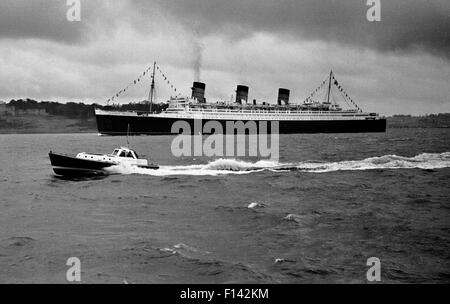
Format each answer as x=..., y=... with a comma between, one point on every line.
x=233, y=166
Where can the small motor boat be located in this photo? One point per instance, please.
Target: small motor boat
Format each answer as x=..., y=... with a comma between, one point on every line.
x=89, y=164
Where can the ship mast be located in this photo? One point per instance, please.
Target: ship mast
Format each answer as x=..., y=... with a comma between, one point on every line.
x=152, y=87
x=329, y=86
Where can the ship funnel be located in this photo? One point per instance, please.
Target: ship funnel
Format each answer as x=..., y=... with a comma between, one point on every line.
x=241, y=94
x=198, y=91
x=283, y=96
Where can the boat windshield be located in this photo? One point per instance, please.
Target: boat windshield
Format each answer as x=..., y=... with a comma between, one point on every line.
x=115, y=152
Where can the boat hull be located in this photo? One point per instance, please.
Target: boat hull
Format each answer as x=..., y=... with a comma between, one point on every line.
x=152, y=125
x=78, y=172
x=76, y=167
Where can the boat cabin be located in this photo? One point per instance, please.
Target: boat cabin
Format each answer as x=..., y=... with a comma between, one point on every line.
x=124, y=152
x=118, y=156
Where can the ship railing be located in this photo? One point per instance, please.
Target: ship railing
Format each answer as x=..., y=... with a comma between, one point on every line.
x=196, y=110
x=233, y=116
x=249, y=114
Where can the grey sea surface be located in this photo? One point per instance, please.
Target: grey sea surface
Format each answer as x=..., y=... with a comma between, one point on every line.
x=331, y=202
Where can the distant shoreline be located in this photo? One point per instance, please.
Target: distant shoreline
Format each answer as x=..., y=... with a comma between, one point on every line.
x=33, y=117
x=49, y=124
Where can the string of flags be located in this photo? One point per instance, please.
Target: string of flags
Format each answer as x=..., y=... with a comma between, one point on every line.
x=345, y=95
x=313, y=93
x=166, y=79
x=340, y=88
x=133, y=83
x=138, y=80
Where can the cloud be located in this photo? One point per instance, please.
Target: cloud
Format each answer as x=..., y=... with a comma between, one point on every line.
x=264, y=44
x=394, y=83
x=45, y=19
x=406, y=25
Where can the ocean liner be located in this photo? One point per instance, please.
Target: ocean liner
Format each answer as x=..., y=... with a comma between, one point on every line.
x=319, y=113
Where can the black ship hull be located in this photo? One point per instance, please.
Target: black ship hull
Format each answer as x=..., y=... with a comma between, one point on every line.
x=152, y=125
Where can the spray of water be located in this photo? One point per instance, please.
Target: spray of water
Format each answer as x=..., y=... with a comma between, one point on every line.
x=232, y=166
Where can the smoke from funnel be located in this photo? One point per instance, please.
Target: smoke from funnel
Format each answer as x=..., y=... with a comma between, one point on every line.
x=197, y=63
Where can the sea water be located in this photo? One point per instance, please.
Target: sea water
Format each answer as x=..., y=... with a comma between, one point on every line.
x=316, y=215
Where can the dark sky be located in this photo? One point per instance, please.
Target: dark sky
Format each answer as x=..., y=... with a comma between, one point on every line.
x=406, y=24
x=398, y=65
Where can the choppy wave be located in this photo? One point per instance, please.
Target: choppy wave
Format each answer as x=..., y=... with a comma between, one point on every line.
x=185, y=251
x=426, y=161
x=293, y=218
x=255, y=205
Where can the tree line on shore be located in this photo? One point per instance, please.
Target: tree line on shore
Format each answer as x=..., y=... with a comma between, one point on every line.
x=80, y=110
x=441, y=120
